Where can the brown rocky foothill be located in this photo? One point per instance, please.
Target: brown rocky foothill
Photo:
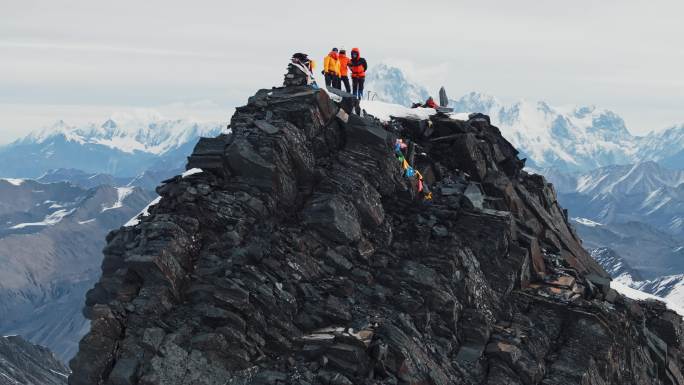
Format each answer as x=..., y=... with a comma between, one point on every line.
x=301, y=254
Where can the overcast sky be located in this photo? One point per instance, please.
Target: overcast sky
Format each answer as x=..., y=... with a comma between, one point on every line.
x=85, y=60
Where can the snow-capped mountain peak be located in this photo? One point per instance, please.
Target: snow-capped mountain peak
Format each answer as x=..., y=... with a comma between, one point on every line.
x=476, y=102
x=128, y=134
x=122, y=145
x=389, y=84
x=666, y=146
x=570, y=138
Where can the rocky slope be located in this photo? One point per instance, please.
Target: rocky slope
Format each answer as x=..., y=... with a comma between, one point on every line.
x=27, y=364
x=302, y=255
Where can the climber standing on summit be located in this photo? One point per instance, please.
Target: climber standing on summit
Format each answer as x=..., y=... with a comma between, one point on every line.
x=358, y=68
x=344, y=69
x=331, y=69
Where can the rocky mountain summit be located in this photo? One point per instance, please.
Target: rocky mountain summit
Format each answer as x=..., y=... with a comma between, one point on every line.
x=297, y=250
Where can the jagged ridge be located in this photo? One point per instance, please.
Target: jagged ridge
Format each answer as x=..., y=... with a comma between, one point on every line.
x=301, y=255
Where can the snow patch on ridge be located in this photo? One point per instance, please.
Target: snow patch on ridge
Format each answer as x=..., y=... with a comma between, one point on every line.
x=586, y=222
x=49, y=220
x=59, y=374
x=13, y=181
x=121, y=193
x=143, y=213
x=192, y=171
x=10, y=378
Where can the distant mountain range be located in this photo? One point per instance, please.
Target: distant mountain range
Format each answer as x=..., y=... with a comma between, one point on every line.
x=651, y=252
x=51, y=240
x=631, y=217
x=635, y=210
x=573, y=139
x=125, y=148
x=568, y=139
x=643, y=192
x=148, y=180
x=22, y=363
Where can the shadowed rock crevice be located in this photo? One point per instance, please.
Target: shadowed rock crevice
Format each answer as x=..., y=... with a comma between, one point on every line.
x=301, y=254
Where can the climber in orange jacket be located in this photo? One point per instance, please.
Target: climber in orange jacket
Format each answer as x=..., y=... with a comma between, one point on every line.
x=331, y=69
x=344, y=69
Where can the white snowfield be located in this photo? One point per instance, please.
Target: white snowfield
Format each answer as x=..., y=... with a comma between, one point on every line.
x=122, y=193
x=143, y=213
x=385, y=111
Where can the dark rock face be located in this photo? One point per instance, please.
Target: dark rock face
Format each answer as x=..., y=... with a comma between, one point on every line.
x=24, y=363
x=302, y=255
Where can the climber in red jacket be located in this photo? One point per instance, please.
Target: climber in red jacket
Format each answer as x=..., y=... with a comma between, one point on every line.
x=358, y=68
x=430, y=103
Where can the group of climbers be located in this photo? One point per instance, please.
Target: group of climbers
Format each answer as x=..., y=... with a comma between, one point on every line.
x=336, y=68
